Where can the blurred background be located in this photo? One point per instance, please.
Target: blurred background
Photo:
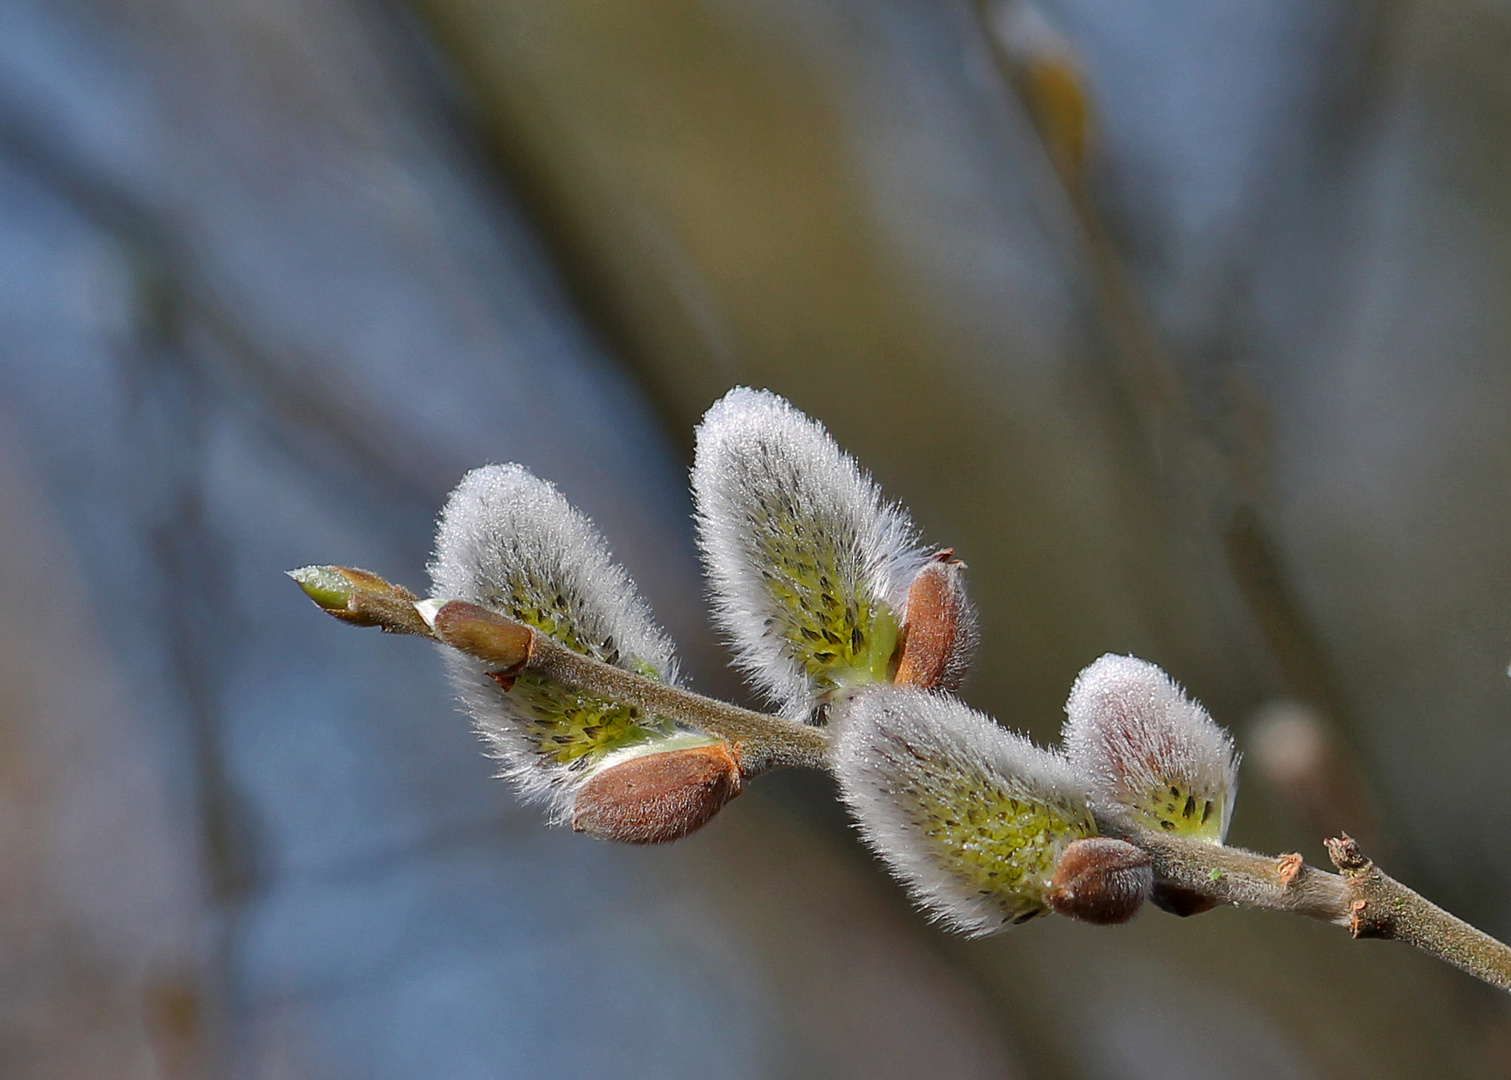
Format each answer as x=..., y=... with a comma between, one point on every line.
x=1185, y=322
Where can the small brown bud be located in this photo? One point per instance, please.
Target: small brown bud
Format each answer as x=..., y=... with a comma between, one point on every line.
x=657, y=797
x=1100, y=880
x=1178, y=900
x=1344, y=851
x=940, y=636
x=498, y=641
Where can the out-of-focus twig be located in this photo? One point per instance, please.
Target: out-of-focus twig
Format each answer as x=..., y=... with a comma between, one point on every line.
x=1207, y=471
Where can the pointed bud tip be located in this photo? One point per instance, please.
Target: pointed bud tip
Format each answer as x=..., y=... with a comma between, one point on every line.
x=360, y=597
x=328, y=586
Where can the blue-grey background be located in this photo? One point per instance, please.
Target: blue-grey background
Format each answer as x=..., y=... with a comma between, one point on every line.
x=1233, y=394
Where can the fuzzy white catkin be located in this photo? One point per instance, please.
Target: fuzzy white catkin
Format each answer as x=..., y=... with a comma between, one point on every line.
x=797, y=541
x=970, y=817
x=509, y=541
x=1146, y=750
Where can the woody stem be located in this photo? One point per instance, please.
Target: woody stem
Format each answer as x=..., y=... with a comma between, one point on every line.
x=762, y=741
x=1361, y=897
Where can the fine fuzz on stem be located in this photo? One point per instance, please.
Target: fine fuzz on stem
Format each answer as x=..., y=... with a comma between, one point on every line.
x=511, y=544
x=1149, y=754
x=809, y=569
x=1361, y=898
x=972, y=818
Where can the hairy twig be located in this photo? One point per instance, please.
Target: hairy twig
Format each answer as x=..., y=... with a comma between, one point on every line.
x=1361, y=897
x=1381, y=907
x=761, y=741
x=512, y=648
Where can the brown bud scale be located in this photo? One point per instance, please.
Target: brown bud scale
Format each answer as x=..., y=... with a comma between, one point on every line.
x=1101, y=880
x=487, y=635
x=939, y=637
x=657, y=797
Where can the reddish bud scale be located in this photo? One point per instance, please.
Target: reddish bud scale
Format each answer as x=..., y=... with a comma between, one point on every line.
x=1100, y=880
x=940, y=634
x=657, y=797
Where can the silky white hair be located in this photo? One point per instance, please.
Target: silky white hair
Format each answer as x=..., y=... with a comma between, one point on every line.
x=511, y=542
x=969, y=816
x=1148, y=752
x=791, y=530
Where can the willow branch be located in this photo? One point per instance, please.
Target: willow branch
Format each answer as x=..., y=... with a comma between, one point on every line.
x=1362, y=898
x=1384, y=908
x=761, y=742
x=511, y=649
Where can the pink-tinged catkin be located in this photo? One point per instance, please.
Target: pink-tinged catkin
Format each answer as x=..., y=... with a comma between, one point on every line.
x=1149, y=755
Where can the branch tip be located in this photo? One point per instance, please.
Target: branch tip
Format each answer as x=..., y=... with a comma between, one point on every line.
x=1344, y=851
x=361, y=598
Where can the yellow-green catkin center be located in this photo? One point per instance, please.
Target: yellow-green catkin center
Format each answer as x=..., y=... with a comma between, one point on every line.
x=1177, y=807
x=1003, y=843
x=834, y=628
x=572, y=727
